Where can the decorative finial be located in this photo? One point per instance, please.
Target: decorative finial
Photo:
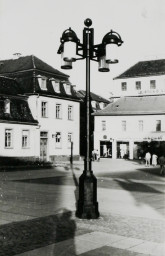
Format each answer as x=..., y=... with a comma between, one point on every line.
x=88, y=22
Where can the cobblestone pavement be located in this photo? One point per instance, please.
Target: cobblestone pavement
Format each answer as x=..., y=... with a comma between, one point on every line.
x=37, y=212
x=19, y=237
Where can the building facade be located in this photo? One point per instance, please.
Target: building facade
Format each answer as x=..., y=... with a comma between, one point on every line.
x=53, y=102
x=145, y=78
x=135, y=122
x=18, y=128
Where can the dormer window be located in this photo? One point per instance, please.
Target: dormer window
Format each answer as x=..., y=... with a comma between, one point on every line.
x=42, y=82
x=67, y=88
x=93, y=104
x=56, y=86
x=101, y=105
x=7, y=106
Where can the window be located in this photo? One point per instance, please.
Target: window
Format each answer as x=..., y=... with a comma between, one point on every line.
x=42, y=82
x=158, y=125
x=70, y=112
x=124, y=86
x=123, y=126
x=58, y=139
x=58, y=111
x=44, y=109
x=67, y=88
x=8, y=138
x=103, y=125
x=140, y=125
x=56, y=86
x=7, y=106
x=25, y=138
x=70, y=139
x=138, y=85
x=93, y=104
x=152, y=84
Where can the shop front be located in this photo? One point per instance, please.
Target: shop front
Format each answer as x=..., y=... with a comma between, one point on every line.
x=105, y=149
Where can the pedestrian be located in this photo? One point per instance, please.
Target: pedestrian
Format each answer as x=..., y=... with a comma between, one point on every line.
x=162, y=163
x=97, y=155
x=148, y=158
x=154, y=159
x=93, y=155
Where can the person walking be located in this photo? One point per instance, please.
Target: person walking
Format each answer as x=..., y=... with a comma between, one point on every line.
x=97, y=155
x=154, y=159
x=162, y=163
x=148, y=158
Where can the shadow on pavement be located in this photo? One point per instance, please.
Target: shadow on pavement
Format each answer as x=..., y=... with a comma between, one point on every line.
x=23, y=236
x=150, y=170
x=136, y=187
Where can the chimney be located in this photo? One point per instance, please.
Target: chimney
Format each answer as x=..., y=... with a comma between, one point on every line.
x=17, y=55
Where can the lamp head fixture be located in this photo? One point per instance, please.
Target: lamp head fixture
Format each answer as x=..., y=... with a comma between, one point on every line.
x=112, y=37
x=110, y=41
x=69, y=36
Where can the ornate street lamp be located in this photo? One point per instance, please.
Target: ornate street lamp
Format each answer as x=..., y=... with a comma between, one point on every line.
x=70, y=49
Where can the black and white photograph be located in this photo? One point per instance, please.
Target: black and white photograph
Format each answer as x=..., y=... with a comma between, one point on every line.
x=82, y=128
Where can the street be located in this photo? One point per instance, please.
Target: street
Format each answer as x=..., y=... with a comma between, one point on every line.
x=37, y=211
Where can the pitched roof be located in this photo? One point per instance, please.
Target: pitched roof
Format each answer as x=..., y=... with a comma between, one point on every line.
x=19, y=111
x=144, y=68
x=135, y=106
x=26, y=69
x=9, y=86
x=27, y=63
x=95, y=97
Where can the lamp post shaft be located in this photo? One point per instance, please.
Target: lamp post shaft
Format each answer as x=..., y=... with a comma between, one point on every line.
x=88, y=108
x=87, y=205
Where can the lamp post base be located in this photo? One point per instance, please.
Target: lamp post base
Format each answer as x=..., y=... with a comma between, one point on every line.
x=87, y=205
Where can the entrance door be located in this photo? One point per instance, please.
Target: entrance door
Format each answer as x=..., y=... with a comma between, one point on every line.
x=43, y=146
x=105, y=149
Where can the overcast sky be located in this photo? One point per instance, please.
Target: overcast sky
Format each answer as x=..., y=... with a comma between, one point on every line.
x=35, y=27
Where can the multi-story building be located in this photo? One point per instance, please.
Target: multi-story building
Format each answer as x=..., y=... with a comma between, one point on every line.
x=53, y=103
x=135, y=122
x=18, y=128
x=145, y=78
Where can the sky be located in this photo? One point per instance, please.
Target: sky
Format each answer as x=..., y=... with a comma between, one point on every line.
x=35, y=27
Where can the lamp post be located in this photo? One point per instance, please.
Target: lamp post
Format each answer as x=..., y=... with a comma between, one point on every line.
x=70, y=49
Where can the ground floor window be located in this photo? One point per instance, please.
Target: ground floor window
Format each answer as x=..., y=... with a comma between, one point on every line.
x=122, y=149
x=25, y=138
x=58, y=139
